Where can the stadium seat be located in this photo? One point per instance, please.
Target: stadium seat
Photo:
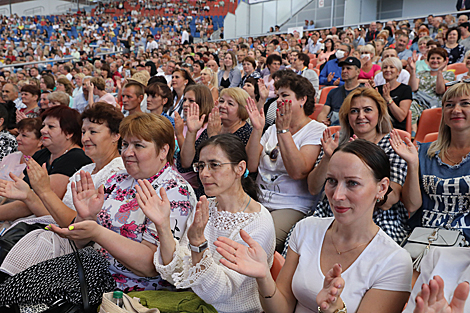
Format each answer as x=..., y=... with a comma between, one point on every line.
x=334, y=129
x=431, y=137
x=318, y=108
x=324, y=93
x=428, y=123
x=459, y=68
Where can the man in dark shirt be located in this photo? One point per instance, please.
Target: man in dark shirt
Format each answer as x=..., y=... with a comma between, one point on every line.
x=372, y=33
x=350, y=69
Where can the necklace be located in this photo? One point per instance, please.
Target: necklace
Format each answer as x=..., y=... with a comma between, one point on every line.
x=342, y=252
x=249, y=201
x=446, y=153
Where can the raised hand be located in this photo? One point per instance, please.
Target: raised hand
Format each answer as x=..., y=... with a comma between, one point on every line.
x=20, y=116
x=412, y=64
x=263, y=91
x=328, y=143
x=333, y=285
x=214, y=125
x=407, y=151
x=250, y=261
x=193, y=121
x=386, y=92
x=38, y=176
x=431, y=298
x=179, y=124
x=156, y=208
x=330, y=76
x=256, y=116
x=336, y=82
x=17, y=189
x=87, y=200
x=283, y=114
x=201, y=217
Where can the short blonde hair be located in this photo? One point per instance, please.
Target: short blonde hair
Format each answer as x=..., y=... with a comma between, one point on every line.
x=150, y=127
x=395, y=62
x=368, y=48
x=384, y=124
x=240, y=96
x=59, y=96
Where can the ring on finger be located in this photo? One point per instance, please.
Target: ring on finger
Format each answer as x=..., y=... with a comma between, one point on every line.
x=282, y=114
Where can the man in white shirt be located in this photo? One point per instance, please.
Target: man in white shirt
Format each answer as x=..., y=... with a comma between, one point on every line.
x=168, y=74
x=151, y=44
x=184, y=36
x=403, y=77
x=314, y=44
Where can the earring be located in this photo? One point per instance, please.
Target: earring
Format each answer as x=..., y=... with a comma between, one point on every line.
x=378, y=200
x=245, y=175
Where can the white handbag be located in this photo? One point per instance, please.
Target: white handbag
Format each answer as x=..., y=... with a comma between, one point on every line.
x=422, y=239
x=130, y=305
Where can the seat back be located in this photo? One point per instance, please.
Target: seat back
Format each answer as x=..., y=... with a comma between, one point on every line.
x=428, y=123
x=459, y=68
x=431, y=137
x=334, y=129
x=324, y=94
x=318, y=108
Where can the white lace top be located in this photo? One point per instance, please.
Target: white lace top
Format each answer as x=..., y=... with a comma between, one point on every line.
x=225, y=289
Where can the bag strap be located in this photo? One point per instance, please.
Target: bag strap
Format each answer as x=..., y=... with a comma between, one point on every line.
x=81, y=278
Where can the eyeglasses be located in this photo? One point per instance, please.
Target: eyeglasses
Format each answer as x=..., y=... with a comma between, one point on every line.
x=211, y=166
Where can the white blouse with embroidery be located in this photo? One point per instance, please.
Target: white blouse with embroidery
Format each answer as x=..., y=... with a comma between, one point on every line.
x=225, y=289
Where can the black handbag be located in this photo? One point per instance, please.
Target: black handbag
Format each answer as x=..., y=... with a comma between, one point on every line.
x=52, y=282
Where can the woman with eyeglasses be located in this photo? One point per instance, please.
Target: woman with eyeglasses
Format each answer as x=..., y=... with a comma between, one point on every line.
x=228, y=117
x=194, y=262
x=286, y=153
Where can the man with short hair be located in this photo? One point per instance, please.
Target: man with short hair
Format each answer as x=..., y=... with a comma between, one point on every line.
x=314, y=44
x=97, y=87
x=372, y=33
x=12, y=103
x=358, y=40
x=132, y=96
x=114, y=72
x=168, y=73
x=350, y=70
x=300, y=66
x=34, y=73
x=151, y=44
x=465, y=35
x=462, y=19
x=404, y=75
x=400, y=46
x=331, y=72
x=65, y=70
x=241, y=54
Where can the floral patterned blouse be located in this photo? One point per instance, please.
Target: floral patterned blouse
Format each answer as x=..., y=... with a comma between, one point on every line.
x=122, y=214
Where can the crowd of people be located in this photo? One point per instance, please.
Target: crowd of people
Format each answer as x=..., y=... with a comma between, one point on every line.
x=204, y=160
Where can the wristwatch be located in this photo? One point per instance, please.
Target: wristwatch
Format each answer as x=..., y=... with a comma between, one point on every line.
x=199, y=248
x=282, y=131
x=389, y=102
x=343, y=310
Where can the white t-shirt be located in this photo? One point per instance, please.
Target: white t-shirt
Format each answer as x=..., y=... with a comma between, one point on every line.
x=279, y=190
x=382, y=265
x=403, y=78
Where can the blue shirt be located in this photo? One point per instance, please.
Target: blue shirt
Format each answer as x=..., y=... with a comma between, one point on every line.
x=172, y=120
x=331, y=67
x=445, y=191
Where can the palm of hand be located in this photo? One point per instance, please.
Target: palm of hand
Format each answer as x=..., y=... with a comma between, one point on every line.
x=157, y=210
x=193, y=123
x=17, y=190
x=88, y=203
x=251, y=261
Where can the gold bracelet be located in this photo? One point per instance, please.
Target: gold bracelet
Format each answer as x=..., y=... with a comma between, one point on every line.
x=275, y=289
x=343, y=310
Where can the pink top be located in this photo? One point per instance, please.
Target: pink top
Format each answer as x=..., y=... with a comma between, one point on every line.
x=108, y=98
x=324, y=56
x=370, y=74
